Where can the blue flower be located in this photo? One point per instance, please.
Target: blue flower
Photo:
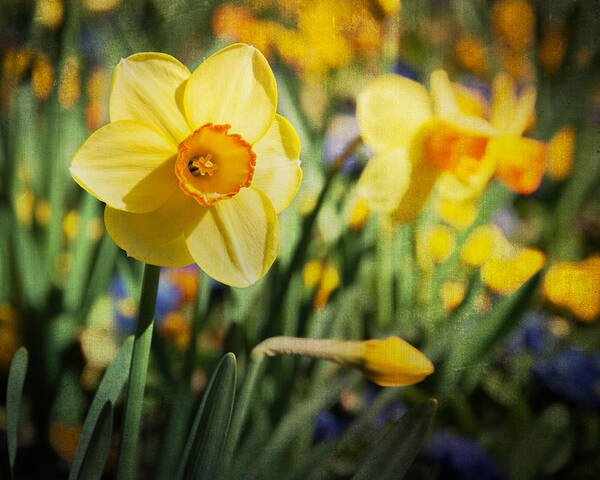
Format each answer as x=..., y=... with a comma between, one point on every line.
x=571, y=374
x=329, y=425
x=407, y=71
x=342, y=130
x=461, y=458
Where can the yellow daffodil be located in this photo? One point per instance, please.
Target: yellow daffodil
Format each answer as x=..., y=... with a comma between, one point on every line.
x=194, y=167
x=415, y=136
x=390, y=362
x=575, y=286
x=482, y=243
x=516, y=161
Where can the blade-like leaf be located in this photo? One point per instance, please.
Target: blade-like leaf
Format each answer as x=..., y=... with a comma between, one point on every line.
x=396, y=451
x=542, y=444
x=99, y=445
x=14, y=394
x=202, y=453
x=108, y=391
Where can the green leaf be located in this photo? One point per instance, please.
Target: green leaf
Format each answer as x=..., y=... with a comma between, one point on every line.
x=485, y=333
x=397, y=449
x=14, y=395
x=99, y=445
x=543, y=445
x=108, y=391
x=202, y=453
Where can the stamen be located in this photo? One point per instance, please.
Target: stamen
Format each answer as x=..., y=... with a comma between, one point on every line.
x=202, y=165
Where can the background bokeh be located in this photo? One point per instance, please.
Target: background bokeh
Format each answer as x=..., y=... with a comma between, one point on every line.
x=515, y=340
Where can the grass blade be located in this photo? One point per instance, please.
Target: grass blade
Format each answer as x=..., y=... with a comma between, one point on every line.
x=398, y=447
x=14, y=395
x=97, y=452
x=202, y=453
x=108, y=391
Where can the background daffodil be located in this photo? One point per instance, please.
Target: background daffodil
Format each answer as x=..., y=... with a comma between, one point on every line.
x=415, y=135
x=194, y=167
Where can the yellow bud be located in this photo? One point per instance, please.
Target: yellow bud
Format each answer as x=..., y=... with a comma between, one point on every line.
x=393, y=362
x=560, y=153
x=94, y=229
x=390, y=362
x=176, y=329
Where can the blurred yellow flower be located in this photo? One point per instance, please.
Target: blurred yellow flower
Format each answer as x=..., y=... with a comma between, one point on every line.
x=194, y=167
x=390, y=362
x=415, y=138
x=441, y=243
x=9, y=335
x=175, y=328
x=575, y=286
x=561, y=149
x=330, y=280
x=505, y=274
x=71, y=225
x=459, y=215
x=69, y=86
x=390, y=7
x=49, y=13
x=23, y=207
x=101, y=5
x=42, y=213
x=472, y=54
x=64, y=438
x=482, y=243
x=357, y=213
x=15, y=63
x=311, y=274
x=514, y=20
x=553, y=47
x=516, y=161
x=42, y=76
x=452, y=293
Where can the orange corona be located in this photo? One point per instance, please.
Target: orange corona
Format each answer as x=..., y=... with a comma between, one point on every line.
x=213, y=165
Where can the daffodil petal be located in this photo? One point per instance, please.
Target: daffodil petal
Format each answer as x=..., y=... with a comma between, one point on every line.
x=523, y=112
x=277, y=172
x=503, y=103
x=443, y=95
x=127, y=165
x=156, y=237
x=237, y=240
x=234, y=86
x=390, y=110
x=385, y=179
x=149, y=87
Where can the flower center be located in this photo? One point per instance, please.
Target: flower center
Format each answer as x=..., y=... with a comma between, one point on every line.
x=213, y=165
x=448, y=148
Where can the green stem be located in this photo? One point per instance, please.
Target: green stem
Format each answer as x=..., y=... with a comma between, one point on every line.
x=242, y=406
x=127, y=464
x=282, y=283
